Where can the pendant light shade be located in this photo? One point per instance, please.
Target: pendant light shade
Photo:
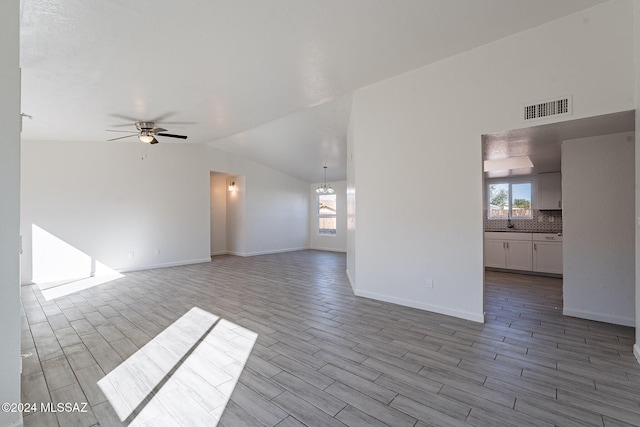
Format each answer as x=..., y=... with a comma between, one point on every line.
x=325, y=189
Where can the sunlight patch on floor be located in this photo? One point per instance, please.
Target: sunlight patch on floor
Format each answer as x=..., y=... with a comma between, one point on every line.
x=60, y=269
x=52, y=291
x=186, y=373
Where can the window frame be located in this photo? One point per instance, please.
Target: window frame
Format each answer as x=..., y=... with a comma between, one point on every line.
x=510, y=184
x=320, y=216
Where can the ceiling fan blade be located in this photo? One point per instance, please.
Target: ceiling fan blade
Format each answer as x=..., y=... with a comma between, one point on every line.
x=155, y=141
x=112, y=130
x=156, y=130
x=179, y=123
x=162, y=116
x=121, y=137
x=171, y=135
x=123, y=125
x=122, y=116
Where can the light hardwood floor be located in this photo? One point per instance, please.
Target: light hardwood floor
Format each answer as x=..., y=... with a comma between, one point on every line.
x=326, y=357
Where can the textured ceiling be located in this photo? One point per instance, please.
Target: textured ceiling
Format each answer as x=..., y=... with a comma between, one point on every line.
x=271, y=80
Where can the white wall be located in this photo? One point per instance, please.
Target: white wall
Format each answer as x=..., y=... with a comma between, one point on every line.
x=351, y=201
x=636, y=14
x=598, y=216
x=337, y=243
x=418, y=142
x=10, y=210
x=104, y=200
x=277, y=212
x=218, y=226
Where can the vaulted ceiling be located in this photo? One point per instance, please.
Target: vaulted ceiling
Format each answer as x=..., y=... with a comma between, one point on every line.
x=270, y=80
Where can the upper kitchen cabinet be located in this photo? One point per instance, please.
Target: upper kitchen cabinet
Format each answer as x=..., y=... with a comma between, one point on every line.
x=550, y=191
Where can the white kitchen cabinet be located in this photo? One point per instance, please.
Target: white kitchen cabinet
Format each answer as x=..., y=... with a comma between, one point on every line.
x=494, y=253
x=519, y=255
x=547, y=253
x=508, y=250
x=549, y=191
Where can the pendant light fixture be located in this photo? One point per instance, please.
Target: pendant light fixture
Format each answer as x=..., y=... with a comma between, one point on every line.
x=325, y=189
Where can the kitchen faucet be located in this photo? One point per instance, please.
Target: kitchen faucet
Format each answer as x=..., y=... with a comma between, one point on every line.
x=509, y=223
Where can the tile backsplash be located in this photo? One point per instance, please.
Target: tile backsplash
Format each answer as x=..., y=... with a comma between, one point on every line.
x=541, y=222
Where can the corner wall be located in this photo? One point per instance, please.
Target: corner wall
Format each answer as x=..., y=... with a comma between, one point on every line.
x=418, y=142
x=598, y=245
x=10, y=210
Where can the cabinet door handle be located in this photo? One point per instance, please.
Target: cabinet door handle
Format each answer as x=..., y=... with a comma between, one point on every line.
x=504, y=245
x=535, y=246
x=507, y=245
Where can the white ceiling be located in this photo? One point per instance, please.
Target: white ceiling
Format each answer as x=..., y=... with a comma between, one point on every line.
x=271, y=80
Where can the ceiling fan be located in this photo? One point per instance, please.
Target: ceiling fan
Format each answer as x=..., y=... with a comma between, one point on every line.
x=147, y=132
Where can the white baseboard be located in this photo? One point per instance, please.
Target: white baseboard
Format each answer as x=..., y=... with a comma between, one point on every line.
x=599, y=317
x=474, y=317
x=275, y=251
x=351, y=282
x=58, y=281
x=318, y=248
x=236, y=253
x=636, y=352
x=163, y=265
x=220, y=253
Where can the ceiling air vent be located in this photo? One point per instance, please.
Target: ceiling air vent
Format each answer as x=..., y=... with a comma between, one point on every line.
x=549, y=108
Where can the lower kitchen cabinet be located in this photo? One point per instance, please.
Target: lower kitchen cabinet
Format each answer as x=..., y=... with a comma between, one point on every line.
x=508, y=250
x=519, y=255
x=539, y=252
x=547, y=253
x=494, y=253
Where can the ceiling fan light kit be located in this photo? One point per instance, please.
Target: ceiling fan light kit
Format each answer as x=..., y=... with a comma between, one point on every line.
x=146, y=137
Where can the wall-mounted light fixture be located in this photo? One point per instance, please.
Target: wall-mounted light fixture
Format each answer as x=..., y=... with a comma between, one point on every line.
x=232, y=186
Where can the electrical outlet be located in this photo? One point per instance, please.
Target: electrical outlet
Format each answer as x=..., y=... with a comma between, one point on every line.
x=157, y=252
x=552, y=219
x=131, y=255
x=430, y=283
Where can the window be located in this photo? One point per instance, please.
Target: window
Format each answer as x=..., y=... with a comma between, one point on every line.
x=327, y=214
x=509, y=200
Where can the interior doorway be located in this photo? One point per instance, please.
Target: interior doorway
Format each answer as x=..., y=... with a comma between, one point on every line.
x=226, y=213
x=540, y=187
